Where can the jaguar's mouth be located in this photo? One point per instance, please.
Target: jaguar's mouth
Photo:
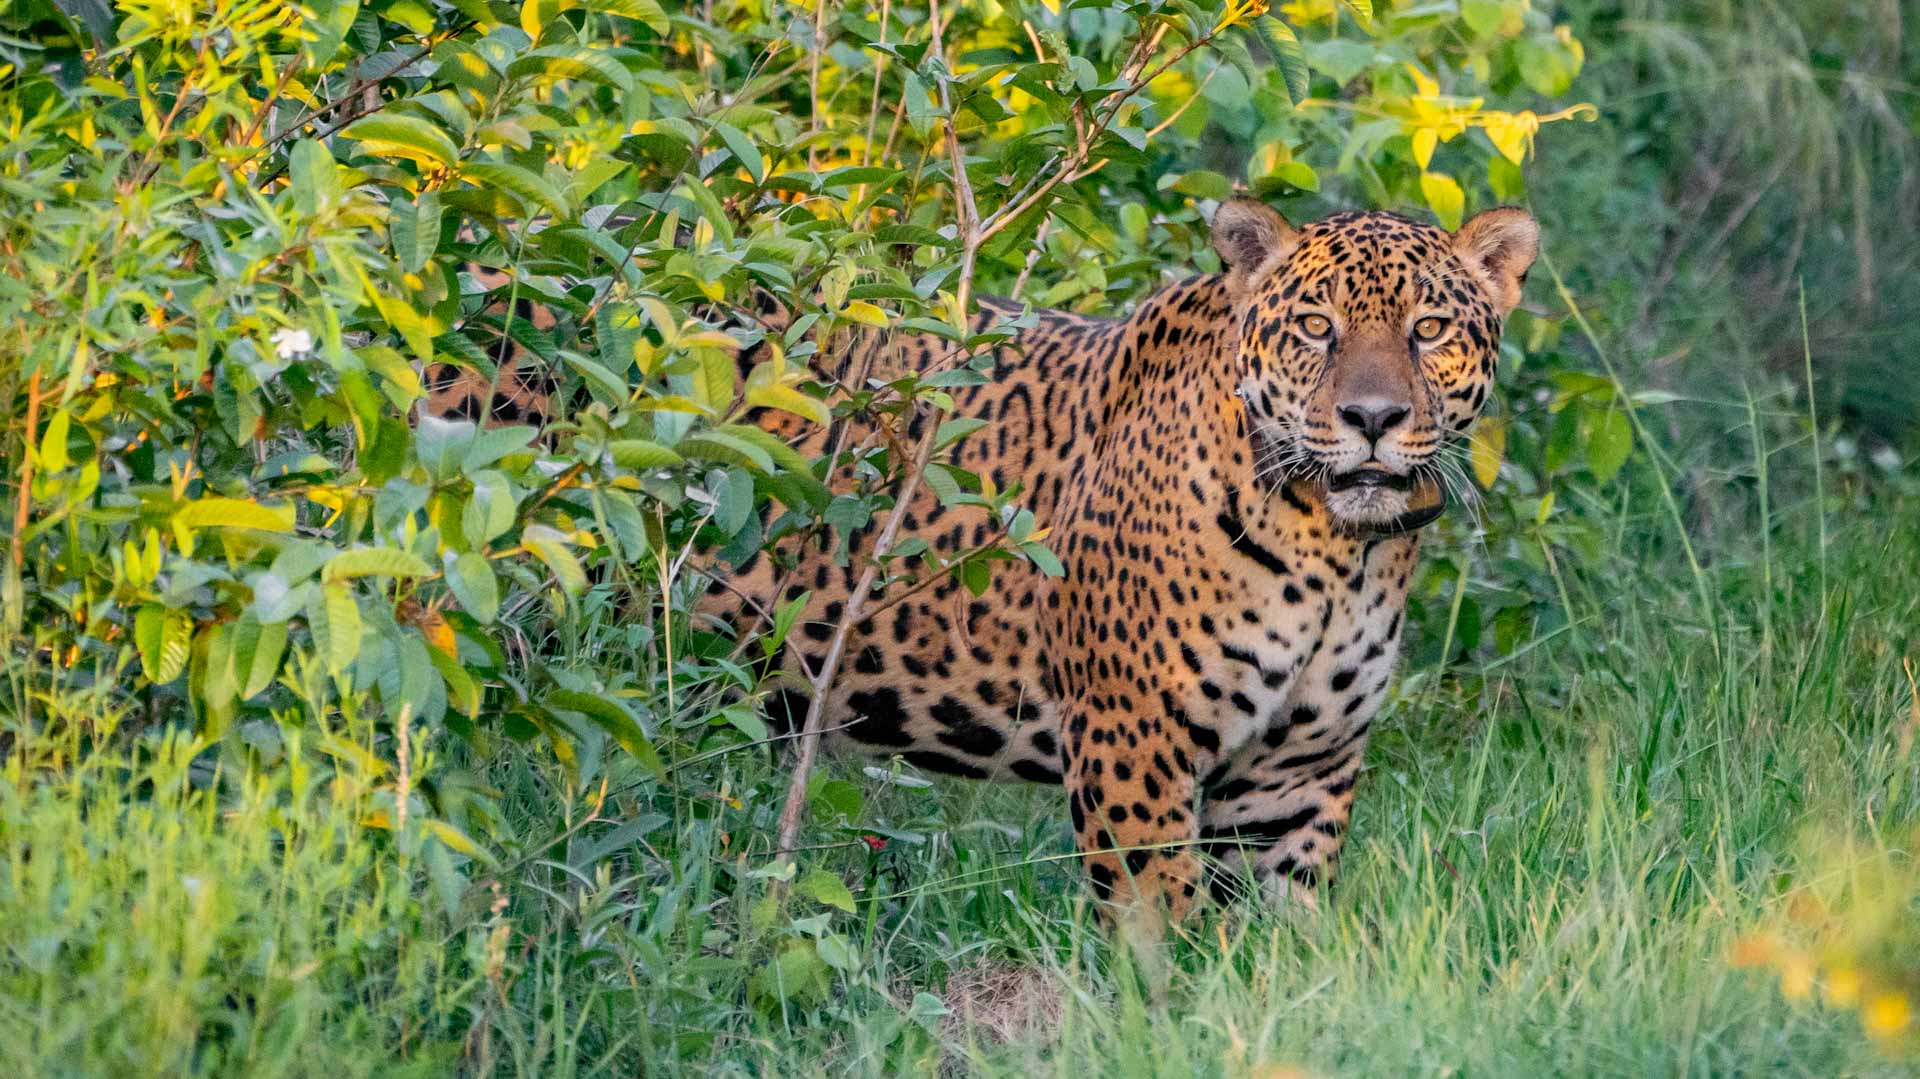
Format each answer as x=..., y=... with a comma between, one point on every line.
x=1373, y=503
x=1370, y=477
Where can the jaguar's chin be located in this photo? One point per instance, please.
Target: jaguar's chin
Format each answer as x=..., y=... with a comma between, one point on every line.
x=1374, y=501
x=1367, y=497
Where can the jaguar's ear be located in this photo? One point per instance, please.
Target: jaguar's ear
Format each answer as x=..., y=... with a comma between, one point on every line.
x=1501, y=243
x=1248, y=233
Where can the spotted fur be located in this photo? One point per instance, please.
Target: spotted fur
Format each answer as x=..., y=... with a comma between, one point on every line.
x=1226, y=473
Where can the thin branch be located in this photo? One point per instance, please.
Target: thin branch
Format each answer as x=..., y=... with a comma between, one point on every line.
x=25, y=496
x=854, y=612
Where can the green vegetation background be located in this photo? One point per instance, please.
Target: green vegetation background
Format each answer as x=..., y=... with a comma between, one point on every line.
x=337, y=740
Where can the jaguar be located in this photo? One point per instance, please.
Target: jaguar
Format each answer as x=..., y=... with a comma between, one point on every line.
x=1235, y=477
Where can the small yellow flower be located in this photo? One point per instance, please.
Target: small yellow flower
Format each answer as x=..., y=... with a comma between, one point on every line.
x=1887, y=1014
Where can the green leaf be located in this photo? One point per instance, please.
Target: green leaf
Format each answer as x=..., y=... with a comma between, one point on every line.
x=493, y=444
x=783, y=620
x=645, y=12
x=641, y=455
x=462, y=690
x=1298, y=174
x=443, y=444
x=610, y=717
x=164, y=639
x=955, y=429
x=1201, y=184
x=327, y=27
x=1487, y=449
x=1609, y=444
x=533, y=190
x=976, y=575
x=1547, y=65
x=796, y=974
x=1339, y=60
x=743, y=150
x=333, y=617
x=409, y=323
x=416, y=230
x=727, y=448
x=607, y=387
x=572, y=62
x=713, y=379
x=1043, y=558
x=489, y=510
x=264, y=661
x=375, y=562
x=734, y=501
x=233, y=513
x=314, y=177
x=1287, y=56
x=393, y=134
x=213, y=677
x=473, y=584
x=826, y=889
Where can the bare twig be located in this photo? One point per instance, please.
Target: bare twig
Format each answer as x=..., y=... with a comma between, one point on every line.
x=974, y=231
x=24, y=500
x=1033, y=258
x=813, y=84
x=854, y=611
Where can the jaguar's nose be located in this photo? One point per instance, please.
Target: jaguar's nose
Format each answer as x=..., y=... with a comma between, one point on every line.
x=1373, y=416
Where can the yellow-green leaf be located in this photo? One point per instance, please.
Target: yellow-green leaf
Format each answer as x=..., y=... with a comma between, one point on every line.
x=333, y=617
x=573, y=62
x=399, y=135
x=551, y=547
x=1487, y=449
x=533, y=190
x=233, y=513
x=53, y=445
x=646, y=12
x=865, y=314
x=1443, y=194
x=789, y=399
x=375, y=562
x=714, y=378
x=163, y=638
x=1425, y=141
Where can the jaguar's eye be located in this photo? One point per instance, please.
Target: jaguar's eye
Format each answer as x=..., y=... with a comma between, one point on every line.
x=1429, y=328
x=1316, y=325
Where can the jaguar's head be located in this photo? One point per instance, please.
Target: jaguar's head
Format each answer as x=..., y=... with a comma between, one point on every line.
x=1367, y=342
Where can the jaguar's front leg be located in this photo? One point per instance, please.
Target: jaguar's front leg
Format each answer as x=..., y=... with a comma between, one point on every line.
x=1276, y=815
x=1130, y=779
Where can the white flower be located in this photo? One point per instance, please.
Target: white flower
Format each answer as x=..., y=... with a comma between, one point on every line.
x=289, y=342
